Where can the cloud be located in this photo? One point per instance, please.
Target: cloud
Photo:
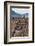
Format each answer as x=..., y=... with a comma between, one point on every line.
x=20, y=10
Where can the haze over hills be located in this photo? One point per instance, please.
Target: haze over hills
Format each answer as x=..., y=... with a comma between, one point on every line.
x=15, y=14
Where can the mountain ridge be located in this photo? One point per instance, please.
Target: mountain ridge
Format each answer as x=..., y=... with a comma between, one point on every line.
x=14, y=14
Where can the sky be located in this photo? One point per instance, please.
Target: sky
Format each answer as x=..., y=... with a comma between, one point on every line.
x=20, y=10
